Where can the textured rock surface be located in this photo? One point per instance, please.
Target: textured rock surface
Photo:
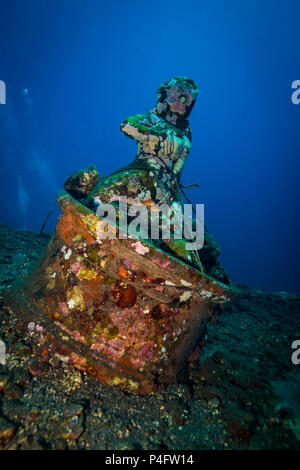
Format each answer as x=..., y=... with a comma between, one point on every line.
x=230, y=398
x=15, y=247
x=81, y=182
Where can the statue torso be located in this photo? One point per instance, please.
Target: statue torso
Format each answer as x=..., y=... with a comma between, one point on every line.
x=160, y=144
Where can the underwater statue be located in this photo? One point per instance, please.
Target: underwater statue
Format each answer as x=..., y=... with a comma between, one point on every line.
x=164, y=138
x=127, y=310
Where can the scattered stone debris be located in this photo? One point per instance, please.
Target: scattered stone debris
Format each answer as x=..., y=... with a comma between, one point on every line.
x=240, y=393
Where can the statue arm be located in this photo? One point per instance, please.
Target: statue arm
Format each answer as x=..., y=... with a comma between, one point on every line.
x=178, y=166
x=140, y=127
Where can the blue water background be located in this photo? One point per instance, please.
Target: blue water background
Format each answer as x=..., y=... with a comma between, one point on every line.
x=74, y=69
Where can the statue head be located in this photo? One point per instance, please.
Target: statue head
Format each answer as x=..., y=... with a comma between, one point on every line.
x=175, y=100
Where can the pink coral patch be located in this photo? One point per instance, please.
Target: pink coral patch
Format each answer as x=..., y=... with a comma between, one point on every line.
x=140, y=249
x=63, y=308
x=76, y=267
x=163, y=264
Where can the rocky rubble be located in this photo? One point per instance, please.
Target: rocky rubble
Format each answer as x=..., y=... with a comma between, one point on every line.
x=241, y=392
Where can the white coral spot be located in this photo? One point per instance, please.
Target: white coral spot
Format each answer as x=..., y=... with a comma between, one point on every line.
x=205, y=294
x=71, y=303
x=185, y=283
x=185, y=296
x=169, y=283
x=68, y=254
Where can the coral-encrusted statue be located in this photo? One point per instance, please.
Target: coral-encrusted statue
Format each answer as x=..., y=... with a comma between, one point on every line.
x=164, y=140
x=128, y=311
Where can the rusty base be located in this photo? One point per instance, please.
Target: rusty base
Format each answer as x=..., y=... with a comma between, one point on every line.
x=123, y=311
